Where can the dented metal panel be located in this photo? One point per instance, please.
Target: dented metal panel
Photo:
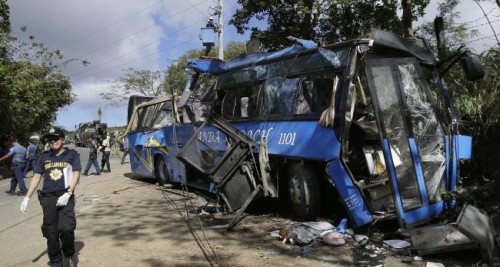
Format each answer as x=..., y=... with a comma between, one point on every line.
x=471, y=230
x=477, y=226
x=440, y=238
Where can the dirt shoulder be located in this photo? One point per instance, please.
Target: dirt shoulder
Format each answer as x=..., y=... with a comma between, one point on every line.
x=124, y=221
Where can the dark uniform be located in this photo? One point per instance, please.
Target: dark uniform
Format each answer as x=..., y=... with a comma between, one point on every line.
x=59, y=223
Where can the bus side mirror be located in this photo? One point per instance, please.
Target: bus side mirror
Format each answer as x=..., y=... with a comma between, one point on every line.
x=472, y=66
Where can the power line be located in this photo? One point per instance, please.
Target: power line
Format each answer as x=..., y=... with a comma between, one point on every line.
x=151, y=43
x=482, y=38
x=474, y=20
x=489, y=22
x=110, y=25
x=482, y=24
x=133, y=33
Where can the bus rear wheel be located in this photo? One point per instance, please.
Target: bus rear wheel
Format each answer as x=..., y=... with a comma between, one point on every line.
x=304, y=191
x=162, y=172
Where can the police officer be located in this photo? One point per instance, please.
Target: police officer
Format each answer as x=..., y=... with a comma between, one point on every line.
x=125, y=148
x=92, y=143
x=18, y=154
x=31, y=155
x=60, y=168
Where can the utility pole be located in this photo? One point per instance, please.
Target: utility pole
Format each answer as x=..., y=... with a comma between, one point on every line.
x=221, y=29
x=99, y=111
x=219, y=11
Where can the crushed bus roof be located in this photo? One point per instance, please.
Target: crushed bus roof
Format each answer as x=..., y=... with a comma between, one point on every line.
x=381, y=42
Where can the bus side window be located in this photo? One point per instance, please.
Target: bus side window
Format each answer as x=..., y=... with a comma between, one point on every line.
x=163, y=118
x=314, y=96
x=244, y=106
x=279, y=95
x=304, y=98
x=228, y=106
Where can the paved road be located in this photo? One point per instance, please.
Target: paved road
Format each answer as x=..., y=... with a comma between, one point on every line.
x=124, y=221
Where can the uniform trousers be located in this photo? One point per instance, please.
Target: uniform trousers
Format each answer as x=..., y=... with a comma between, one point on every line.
x=59, y=224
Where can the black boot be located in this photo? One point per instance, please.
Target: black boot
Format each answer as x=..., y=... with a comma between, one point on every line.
x=70, y=261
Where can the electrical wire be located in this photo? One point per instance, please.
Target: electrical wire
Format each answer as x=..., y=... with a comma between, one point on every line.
x=138, y=31
x=187, y=220
x=109, y=25
x=121, y=56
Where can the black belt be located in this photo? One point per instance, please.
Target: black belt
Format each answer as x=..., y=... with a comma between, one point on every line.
x=52, y=194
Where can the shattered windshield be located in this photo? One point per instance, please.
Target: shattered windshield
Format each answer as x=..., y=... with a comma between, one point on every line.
x=426, y=128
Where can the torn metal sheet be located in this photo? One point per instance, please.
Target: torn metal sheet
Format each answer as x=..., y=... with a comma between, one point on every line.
x=472, y=229
x=224, y=154
x=477, y=226
x=440, y=238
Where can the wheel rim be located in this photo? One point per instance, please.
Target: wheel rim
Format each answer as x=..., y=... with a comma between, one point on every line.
x=303, y=192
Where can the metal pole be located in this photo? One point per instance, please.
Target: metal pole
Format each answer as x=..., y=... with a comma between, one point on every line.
x=221, y=29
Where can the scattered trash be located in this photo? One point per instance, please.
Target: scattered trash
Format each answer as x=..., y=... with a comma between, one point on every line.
x=304, y=233
x=361, y=241
x=397, y=244
x=341, y=228
x=368, y=254
x=207, y=210
x=433, y=264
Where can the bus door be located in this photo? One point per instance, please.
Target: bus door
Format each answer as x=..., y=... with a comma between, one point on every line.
x=413, y=139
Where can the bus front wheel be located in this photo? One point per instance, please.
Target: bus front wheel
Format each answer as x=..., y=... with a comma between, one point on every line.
x=303, y=191
x=162, y=172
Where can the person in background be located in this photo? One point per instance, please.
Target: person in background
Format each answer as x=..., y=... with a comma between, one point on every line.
x=125, y=148
x=60, y=168
x=31, y=155
x=94, y=149
x=106, y=152
x=18, y=154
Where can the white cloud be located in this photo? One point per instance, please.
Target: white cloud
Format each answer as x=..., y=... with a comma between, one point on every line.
x=113, y=35
x=118, y=34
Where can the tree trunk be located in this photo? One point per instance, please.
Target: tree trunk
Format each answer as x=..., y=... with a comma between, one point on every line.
x=407, y=28
x=308, y=28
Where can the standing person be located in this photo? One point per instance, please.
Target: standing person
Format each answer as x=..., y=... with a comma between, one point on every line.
x=106, y=152
x=18, y=154
x=60, y=168
x=125, y=148
x=94, y=148
x=31, y=156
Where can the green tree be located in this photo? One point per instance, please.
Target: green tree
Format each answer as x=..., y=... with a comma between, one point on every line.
x=32, y=87
x=325, y=21
x=176, y=77
x=477, y=102
x=134, y=81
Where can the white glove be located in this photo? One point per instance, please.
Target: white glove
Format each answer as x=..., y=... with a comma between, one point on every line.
x=24, y=204
x=63, y=200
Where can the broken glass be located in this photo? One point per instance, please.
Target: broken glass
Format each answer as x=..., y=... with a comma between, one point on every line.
x=426, y=129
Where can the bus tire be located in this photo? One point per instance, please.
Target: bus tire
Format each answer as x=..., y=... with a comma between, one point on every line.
x=162, y=172
x=303, y=191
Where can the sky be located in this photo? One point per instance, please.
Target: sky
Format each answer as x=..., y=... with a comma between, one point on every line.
x=148, y=34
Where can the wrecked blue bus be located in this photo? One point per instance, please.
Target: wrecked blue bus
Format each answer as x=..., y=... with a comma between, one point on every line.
x=368, y=120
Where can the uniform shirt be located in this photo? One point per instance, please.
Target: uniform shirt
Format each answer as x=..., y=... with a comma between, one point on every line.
x=106, y=144
x=18, y=153
x=51, y=167
x=32, y=151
